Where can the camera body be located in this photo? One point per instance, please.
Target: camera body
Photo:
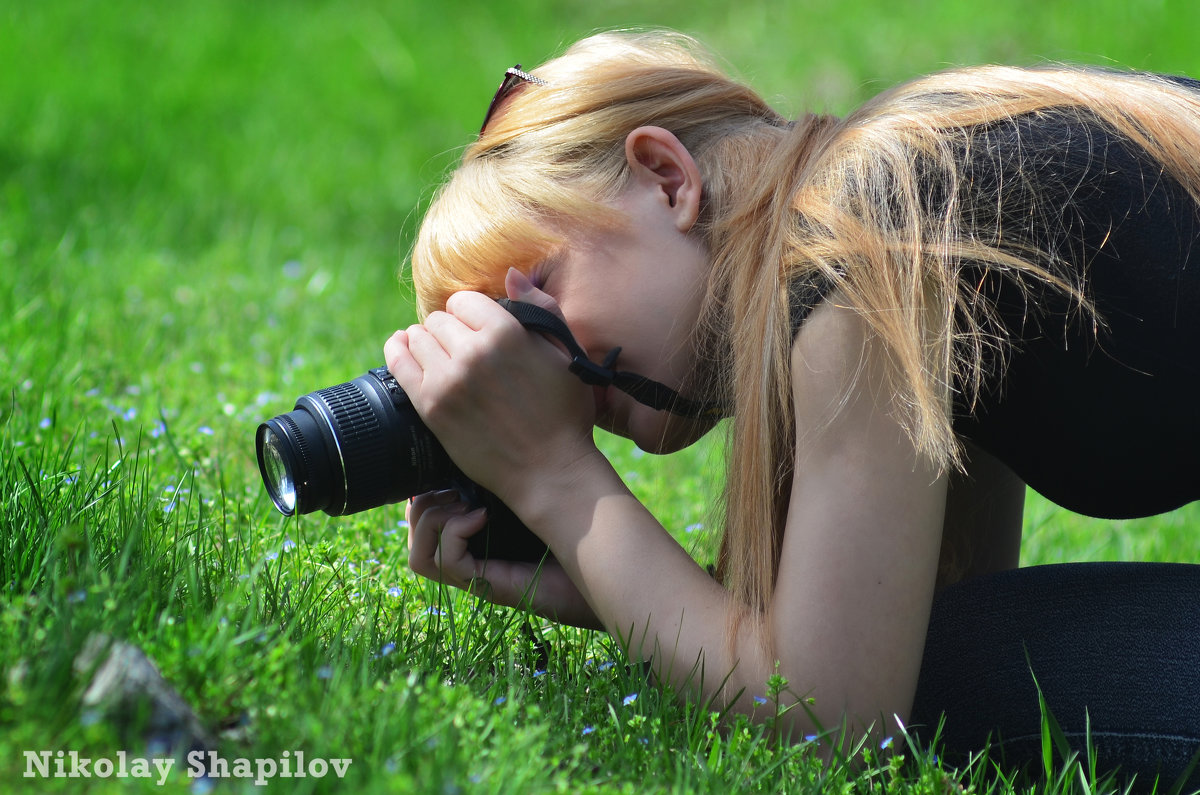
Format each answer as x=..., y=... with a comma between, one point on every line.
x=359, y=445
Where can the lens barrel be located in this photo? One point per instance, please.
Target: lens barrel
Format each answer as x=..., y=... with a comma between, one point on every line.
x=359, y=445
x=348, y=448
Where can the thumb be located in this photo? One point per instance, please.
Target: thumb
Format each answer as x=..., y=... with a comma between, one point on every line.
x=519, y=288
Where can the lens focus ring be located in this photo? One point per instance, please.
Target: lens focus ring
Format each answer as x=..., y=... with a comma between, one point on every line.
x=363, y=446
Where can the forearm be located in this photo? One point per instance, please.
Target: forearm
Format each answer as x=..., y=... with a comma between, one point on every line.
x=646, y=590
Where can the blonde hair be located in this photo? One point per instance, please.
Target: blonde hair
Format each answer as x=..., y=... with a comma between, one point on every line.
x=871, y=203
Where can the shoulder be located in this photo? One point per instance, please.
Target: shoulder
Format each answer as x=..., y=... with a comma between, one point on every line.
x=841, y=383
x=828, y=352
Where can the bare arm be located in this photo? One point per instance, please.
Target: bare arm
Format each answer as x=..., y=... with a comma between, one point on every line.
x=861, y=545
x=848, y=617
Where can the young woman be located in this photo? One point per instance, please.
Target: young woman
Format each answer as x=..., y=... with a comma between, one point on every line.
x=979, y=280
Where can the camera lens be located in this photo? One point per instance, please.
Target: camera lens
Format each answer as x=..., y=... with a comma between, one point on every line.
x=361, y=444
x=348, y=448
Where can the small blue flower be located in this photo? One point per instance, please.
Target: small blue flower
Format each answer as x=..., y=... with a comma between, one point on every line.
x=629, y=699
x=887, y=741
x=272, y=556
x=693, y=527
x=387, y=649
x=433, y=611
x=77, y=596
x=759, y=700
x=604, y=666
x=158, y=430
x=588, y=730
x=324, y=672
x=288, y=545
x=811, y=738
x=395, y=591
x=499, y=700
x=205, y=430
x=45, y=423
x=539, y=672
x=129, y=414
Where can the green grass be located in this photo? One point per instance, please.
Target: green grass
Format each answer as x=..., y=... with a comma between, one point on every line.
x=202, y=213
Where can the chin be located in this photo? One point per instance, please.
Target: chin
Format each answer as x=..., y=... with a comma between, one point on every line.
x=669, y=434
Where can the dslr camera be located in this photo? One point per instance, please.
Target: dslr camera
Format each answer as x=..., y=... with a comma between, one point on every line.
x=359, y=445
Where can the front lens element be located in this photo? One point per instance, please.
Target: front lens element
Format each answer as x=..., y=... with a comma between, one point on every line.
x=277, y=474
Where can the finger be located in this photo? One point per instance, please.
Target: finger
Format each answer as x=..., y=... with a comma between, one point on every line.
x=455, y=561
x=421, y=503
x=422, y=543
x=476, y=310
x=519, y=288
x=428, y=514
x=425, y=348
x=400, y=361
x=449, y=330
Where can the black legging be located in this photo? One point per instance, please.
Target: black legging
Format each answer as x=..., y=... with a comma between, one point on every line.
x=1118, y=643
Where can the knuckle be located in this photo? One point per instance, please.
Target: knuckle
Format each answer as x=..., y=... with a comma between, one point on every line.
x=460, y=299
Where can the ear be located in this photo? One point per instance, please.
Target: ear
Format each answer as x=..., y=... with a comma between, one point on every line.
x=659, y=162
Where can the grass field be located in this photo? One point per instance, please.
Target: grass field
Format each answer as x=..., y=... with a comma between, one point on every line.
x=203, y=212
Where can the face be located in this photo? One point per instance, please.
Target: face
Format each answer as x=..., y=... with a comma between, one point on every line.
x=637, y=286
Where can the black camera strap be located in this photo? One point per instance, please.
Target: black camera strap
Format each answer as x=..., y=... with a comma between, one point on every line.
x=648, y=392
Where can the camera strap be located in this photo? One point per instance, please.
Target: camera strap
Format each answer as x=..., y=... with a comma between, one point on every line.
x=646, y=391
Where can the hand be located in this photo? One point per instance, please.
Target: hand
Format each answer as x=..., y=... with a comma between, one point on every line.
x=439, y=526
x=499, y=399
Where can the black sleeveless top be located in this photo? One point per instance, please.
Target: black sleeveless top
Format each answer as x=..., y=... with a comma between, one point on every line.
x=1102, y=421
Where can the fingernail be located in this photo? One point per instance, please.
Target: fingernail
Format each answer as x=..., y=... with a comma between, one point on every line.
x=519, y=282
